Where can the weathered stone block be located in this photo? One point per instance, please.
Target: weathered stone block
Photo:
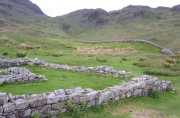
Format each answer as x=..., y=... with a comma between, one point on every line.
x=21, y=104
x=3, y=98
x=1, y=110
x=9, y=108
x=105, y=96
x=37, y=100
x=137, y=92
x=52, y=98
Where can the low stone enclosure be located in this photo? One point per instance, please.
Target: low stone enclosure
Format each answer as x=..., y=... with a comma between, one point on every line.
x=4, y=63
x=18, y=74
x=63, y=100
x=59, y=101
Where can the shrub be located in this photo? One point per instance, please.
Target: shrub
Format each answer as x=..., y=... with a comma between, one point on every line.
x=154, y=95
x=5, y=53
x=76, y=110
x=141, y=64
x=167, y=65
x=101, y=60
x=170, y=60
x=124, y=59
x=36, y=115
x=142, y=59
x=57, y=54
x=21, y=54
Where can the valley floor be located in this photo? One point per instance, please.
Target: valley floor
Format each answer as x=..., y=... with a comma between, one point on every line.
x=137, y=58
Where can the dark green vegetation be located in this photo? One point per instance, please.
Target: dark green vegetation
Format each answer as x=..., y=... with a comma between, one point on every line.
x=26, y=31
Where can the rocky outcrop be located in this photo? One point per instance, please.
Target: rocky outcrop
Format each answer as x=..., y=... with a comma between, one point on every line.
x=62, y=100
x=17, y=74
x=133, y=12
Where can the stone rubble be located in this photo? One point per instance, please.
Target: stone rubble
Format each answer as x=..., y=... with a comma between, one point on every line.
x=53, y=103
x=18, y=74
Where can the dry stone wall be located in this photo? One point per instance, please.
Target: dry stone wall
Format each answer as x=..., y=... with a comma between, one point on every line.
x=4, y=63
x=18, y=74
x=56, y=102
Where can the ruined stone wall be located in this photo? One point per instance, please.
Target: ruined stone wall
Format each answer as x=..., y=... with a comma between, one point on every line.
x=19, y=74
x=5, y=63
x=56, y=102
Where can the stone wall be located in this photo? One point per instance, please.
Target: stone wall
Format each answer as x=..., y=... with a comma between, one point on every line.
x=99, y=69
x=4, y=63
x=18, y=74
x=56, y=102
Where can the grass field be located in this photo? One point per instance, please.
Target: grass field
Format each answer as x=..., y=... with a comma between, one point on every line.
x=146, y=59
x=59, y=80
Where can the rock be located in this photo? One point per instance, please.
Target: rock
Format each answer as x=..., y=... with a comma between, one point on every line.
x=77, y=90
x=1, y=111
x=9, y=108
x=53, y=98
x=167, y=51
x=27, y=113
x=3, y=98
x=11, y=116
x=21, y=104
x=104, y=97
x=37, y=100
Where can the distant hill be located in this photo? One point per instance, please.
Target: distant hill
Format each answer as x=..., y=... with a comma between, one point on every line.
x=19, y=7
x=160, y=25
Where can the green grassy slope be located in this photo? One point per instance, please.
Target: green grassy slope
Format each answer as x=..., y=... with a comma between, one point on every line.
x=164, y=32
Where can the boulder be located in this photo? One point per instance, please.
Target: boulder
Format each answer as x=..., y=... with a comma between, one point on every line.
x=167, y=51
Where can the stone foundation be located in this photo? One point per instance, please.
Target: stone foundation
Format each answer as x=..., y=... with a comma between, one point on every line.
x=56, y=102
x=5, y=63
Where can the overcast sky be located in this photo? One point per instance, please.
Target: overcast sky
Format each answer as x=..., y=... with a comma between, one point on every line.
x=60, y=7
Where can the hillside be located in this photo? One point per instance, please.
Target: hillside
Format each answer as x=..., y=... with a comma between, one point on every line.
x=159, y=25
x=23, y=18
